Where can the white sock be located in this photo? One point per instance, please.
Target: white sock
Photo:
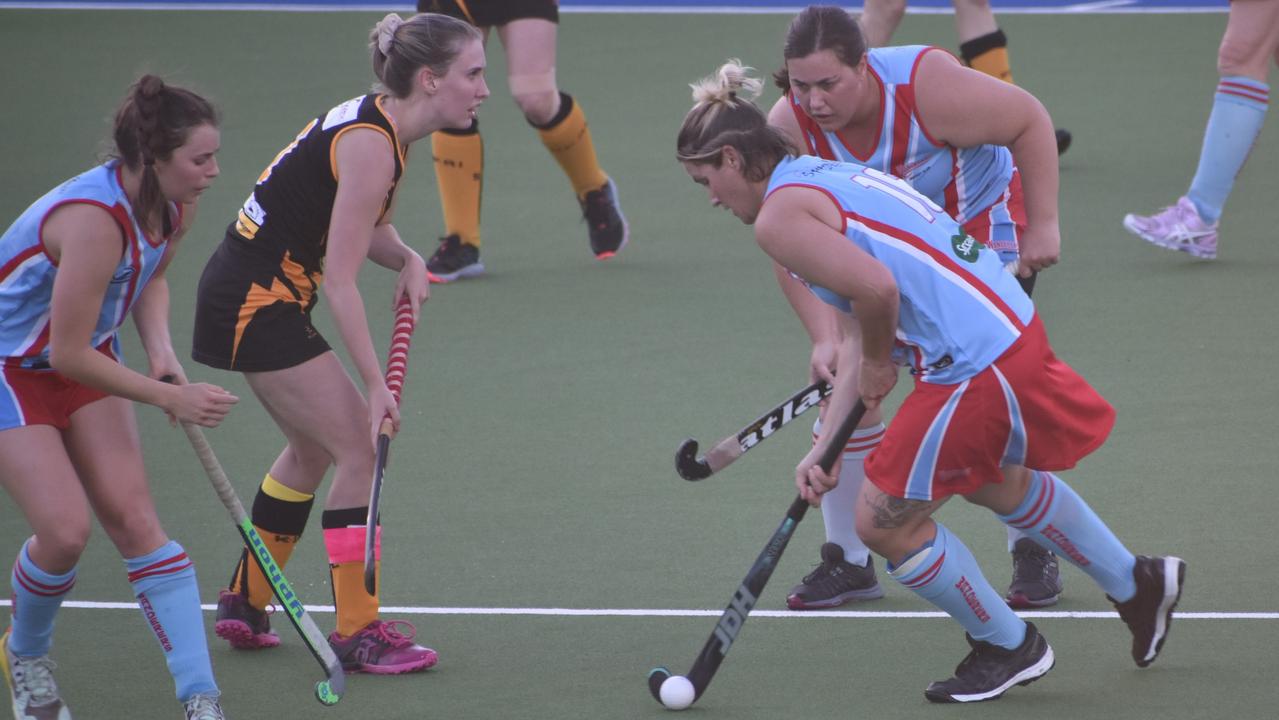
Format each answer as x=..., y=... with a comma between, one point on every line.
x=839, y=505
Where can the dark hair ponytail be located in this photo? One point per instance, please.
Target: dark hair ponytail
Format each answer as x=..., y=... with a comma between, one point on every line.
x=152, y=122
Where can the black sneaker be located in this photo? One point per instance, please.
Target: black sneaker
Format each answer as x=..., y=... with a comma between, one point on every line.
x=1063, y=141
x=454, y=259
x=835, y=582
x=1149, y=613
x=1036, y=577
x=608, y=229
x=990, y=671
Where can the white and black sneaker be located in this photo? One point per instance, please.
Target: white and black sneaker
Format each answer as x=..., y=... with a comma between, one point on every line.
x=989, y=670
x=1149, y=613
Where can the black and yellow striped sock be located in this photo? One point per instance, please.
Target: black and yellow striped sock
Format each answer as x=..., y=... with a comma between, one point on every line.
x=568, y=139
x=279, y=514
x=988, y=54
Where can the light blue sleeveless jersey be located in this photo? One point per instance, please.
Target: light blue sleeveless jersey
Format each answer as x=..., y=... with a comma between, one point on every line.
x=959, y=309
x=27, y=272
x=963, y=181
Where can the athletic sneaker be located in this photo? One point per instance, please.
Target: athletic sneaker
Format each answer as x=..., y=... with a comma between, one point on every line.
x=33, y=692
x=241, y=624
x=1149, y=612
x=381, y=648
x=1063, y=141
x=835, y=582
x=203, y=707
x=608, y=229
x=1177, y=227
x=454, y=260
x=990, y=670
x=1036, y=577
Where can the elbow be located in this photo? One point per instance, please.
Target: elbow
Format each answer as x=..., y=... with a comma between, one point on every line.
x=337, y=289
x=64, y=361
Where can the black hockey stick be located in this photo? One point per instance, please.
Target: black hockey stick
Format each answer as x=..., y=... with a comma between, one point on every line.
x=328, y=691
x=691, y=467
x=734, y=616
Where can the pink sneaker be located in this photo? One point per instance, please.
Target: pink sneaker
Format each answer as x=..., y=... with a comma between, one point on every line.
x=1178, y=227
x=242, y=625
x=382, y=648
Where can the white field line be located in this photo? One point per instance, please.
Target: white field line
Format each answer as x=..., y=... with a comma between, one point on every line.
x=660, y=612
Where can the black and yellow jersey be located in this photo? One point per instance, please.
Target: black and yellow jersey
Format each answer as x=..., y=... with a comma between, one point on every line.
x=255, y=297
x=286, y=218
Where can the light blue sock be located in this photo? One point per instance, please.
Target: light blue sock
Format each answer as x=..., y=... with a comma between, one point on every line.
x=37, y=595
x=1053, y=515
x=1238, y=110
x=164, y=583
x=946, y=575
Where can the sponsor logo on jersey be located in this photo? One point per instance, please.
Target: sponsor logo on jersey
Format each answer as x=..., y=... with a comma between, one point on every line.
x=966, y=248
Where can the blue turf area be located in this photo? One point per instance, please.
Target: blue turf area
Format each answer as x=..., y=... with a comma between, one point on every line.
x=1031, y=6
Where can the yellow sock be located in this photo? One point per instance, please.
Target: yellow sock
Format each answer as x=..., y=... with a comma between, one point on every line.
x=344, y=535
x=356, y=608
x=988, y=54
x=459, y=172
x=568, y=138
x=279, y=515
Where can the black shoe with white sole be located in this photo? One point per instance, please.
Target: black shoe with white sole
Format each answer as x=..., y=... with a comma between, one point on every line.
x=990, y=670
x=1149, y=613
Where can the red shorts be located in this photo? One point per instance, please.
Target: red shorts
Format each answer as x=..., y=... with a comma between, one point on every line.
x=31, y=396
x=1028, y=408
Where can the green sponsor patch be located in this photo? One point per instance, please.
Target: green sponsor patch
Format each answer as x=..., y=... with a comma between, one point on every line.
x=966, y=248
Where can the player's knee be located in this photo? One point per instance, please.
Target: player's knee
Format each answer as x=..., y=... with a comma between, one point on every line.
x=536, y=94
x=1240, y=58
x=64, y=542
x=892, y=10
x=968, y=4
x=135, y=530
x=881, y=541
x=539, y=108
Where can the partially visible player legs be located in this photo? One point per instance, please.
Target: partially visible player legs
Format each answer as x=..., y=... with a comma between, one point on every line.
x=1036, y=579
x=322, y=414
x=459, y=173
x=280, y=514
x=102, y=442
x=42, y=483
x=984, y=47
x=561, y=124
x=847, y=572
x=933, y=563
x=1239, y=108
x=1144, y=590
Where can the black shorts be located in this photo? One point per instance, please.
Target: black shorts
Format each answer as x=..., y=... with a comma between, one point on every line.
x=251, y=316
x=493, y=13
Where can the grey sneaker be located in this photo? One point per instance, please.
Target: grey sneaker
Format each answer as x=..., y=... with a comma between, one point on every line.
x=990, y=671
x=203, y=707
x=835, y=582
x=1036, y=577
x=1149, y=613
x=32, y=690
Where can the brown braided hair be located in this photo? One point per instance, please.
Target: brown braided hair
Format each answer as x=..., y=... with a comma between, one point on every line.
x=152, y=122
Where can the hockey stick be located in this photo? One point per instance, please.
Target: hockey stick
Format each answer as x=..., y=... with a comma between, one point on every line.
x=734, y=616
x=397, y=363
x=327, y=691
x=691, y=467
